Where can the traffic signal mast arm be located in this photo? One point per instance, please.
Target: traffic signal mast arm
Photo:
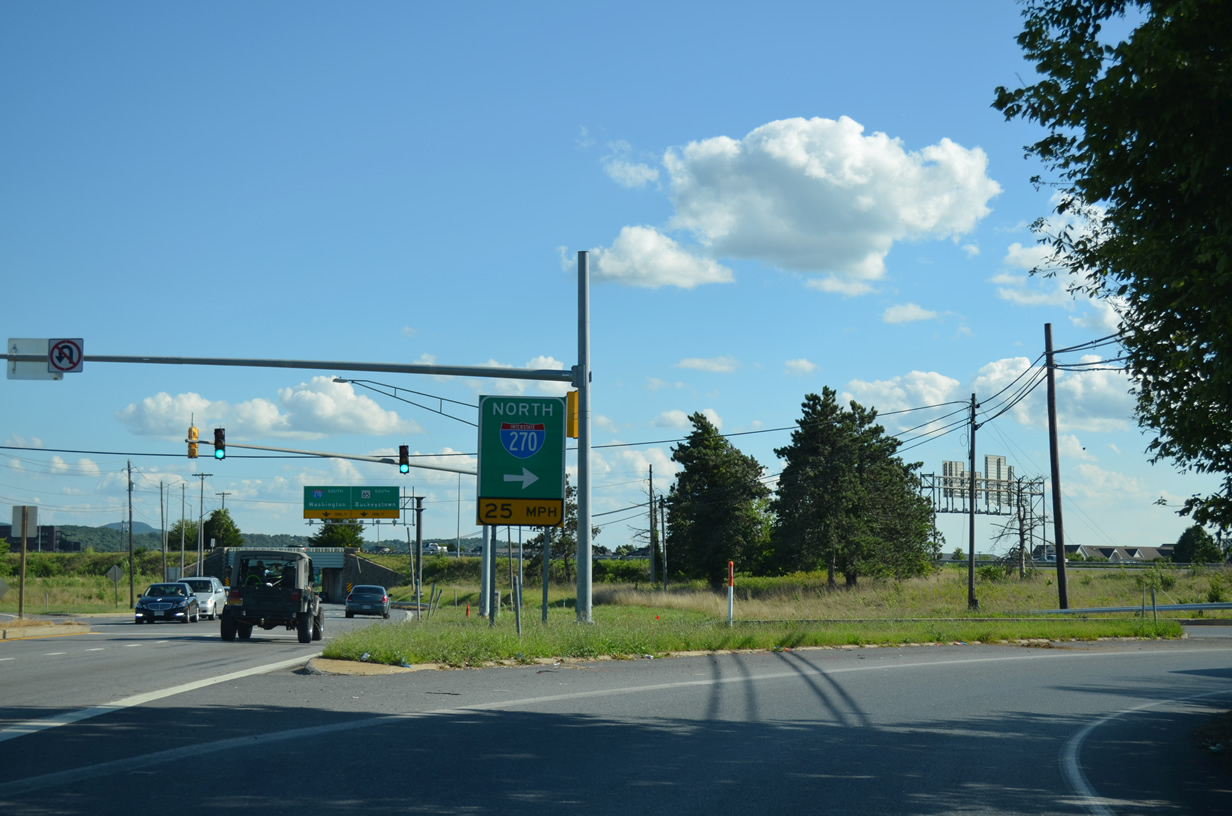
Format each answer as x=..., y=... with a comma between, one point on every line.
x=383, y=460
x=546, y=374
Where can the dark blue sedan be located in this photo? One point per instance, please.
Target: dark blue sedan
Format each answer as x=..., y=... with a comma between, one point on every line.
x=167, y=602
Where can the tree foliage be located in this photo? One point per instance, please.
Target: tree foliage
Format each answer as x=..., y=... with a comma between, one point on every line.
x=564, y=539
x=1136, y=133
x=717, y=507
x=222, y=530
x=845, y=502
x=341, y=533
x=1195, y=546
x=190, y=535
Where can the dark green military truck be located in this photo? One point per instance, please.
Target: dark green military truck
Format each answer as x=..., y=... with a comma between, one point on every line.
x=270, y=588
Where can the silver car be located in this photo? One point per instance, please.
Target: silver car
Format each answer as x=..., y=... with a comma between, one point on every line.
x=211, y=595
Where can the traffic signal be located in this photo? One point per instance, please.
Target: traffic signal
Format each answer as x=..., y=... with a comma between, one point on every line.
x=571, y=414
x=404, y=459
x=220, y=443
x=192, y=441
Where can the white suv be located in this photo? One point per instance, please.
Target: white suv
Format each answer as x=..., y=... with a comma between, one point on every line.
x=211, y=595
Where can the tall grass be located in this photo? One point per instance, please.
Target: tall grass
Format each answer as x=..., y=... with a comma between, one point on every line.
x=632, y=632
x=775, y=613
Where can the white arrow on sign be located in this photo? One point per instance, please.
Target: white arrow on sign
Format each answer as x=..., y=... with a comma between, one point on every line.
x=527, y=478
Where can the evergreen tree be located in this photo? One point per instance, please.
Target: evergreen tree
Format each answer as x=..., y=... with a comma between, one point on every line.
x=1195, y=546
x=845, y=501
x=717, y=509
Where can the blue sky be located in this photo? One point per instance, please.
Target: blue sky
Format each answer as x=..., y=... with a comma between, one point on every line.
x=805, y=195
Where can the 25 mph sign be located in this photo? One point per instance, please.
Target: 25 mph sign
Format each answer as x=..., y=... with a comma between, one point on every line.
x=521, y=461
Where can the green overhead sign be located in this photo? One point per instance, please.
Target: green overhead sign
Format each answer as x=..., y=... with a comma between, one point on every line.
x=351, y=502
x=521, y=461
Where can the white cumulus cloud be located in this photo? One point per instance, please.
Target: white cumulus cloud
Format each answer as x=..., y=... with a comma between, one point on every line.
x=716, y=365
x=643, y=256
x=913, y=390
x=907, y=313
x=309, y=410
x=799, y=367
x=1087, y=400
x=678, y=420
x=821, y=197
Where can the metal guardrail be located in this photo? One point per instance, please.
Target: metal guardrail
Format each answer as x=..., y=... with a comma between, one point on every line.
x=1198, y=607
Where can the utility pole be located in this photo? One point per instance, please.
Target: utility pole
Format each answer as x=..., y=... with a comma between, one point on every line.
x=1054, y=457
x=132, y=602
x=162, y=522
x=652, y=527
x=224, y=495
x=663, y=535
x=581, y=382
x=972, y=603
x=201, y=522
x=183, y=523
x=1022, y=534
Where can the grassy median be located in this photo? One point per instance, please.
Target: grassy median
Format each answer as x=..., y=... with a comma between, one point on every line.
x=785, y=613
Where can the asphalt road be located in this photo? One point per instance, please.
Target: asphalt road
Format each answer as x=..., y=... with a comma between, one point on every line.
x=1080, y=728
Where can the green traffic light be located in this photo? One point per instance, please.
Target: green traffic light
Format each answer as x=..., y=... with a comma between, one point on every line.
x=404, y=468
x=220, y=454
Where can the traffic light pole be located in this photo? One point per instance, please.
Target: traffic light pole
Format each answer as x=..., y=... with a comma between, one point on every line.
x=581, y=382
x=547, y=374
x=381, y=460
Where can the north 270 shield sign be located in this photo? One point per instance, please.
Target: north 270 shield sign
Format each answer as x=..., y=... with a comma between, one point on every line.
x=521, y=461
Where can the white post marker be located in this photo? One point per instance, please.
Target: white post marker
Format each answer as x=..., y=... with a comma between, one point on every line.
x=731, y=590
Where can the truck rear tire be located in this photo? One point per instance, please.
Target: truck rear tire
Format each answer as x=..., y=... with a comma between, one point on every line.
x=228, y=628
x=318, y=626
x=303, y=627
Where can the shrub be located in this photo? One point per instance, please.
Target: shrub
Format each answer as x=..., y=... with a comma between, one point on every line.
x=1218, y=593
x=991, y=573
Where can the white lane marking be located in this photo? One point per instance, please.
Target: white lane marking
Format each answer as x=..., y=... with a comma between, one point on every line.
x=1071, y=767
x=53, y=654
x=34, y=726
x=95, y=649
x=131, y=645
x=2, y=659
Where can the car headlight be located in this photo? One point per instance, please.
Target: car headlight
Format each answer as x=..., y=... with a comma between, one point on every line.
x=180, y=604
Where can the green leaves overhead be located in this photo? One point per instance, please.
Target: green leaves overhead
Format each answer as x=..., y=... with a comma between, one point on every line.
x=1136, y=134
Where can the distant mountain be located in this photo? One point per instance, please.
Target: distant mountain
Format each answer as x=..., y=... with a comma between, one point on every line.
x=138, y=527
x=114, y=538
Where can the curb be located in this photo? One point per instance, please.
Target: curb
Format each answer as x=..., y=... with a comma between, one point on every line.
x=324, y=665
x=30, y=632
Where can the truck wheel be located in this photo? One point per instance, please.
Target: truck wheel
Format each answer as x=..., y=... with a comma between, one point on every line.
x=244, y=630
x=318, y=626
x=228, y=628
x=303, y=627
